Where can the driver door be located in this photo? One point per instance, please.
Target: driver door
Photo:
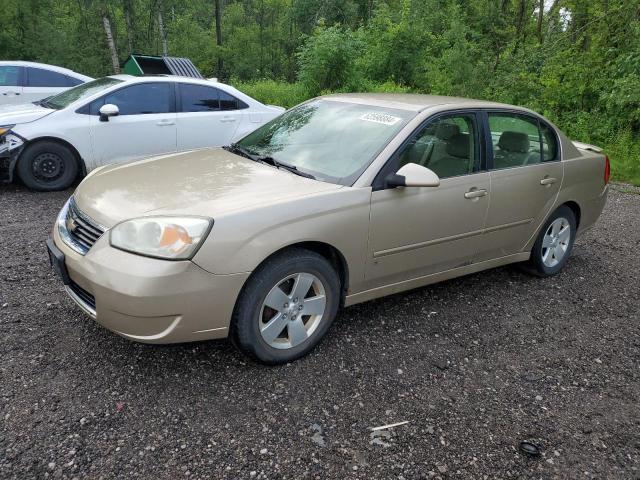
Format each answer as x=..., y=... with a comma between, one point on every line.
x=145, y=126
x=418, y=231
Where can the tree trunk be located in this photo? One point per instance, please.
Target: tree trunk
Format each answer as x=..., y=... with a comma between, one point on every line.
x=219, y=35
x=127, y=19
x=112, y=45
x=163, y=34
x=540, y=17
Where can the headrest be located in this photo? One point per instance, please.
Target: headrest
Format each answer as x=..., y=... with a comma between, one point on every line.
x=458, y=146
x=514, y=142
x=444, y=131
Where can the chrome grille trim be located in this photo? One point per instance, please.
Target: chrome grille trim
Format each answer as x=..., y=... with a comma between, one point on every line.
x=85, y=232
x=83, y=299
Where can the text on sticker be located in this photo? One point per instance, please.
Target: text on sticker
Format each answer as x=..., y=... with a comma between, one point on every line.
x=383, y=118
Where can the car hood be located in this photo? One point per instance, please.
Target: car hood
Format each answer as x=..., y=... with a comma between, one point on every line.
x=207, y=182
x=22, y=113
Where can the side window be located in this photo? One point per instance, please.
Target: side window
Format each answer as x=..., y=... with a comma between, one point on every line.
x=229, y=102
x=516, y=140
x=72, y=82
x=144, y=98
x=37, y=77
x=447, y=145
x=549, y=143
x=198, y=98
x=9, y=76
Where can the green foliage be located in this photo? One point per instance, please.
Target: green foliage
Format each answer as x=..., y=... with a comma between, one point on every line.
x=581, y=68
x=624, y=152
x=327, y=60
x=272, y=92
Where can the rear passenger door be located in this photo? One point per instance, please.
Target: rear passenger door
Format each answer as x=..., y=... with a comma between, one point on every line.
x=526, y=174
x=11, y=84
x=207, y=116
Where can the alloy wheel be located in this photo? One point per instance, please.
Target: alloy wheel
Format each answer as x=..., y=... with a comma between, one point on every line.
x=292, y=310
x=555, y=242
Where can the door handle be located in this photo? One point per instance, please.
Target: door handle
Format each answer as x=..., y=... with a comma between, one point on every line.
x=164, y=123
x=475, y=193
x=11, y=93
x=227, y=119
x=548, y=181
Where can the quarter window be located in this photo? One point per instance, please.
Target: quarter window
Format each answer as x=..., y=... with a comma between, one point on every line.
x=141, y=99
x=9, y=76
x=447, y=146
x=37, y=77
x=516, y=140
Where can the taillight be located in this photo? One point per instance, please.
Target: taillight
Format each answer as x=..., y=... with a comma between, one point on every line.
x=607, y=169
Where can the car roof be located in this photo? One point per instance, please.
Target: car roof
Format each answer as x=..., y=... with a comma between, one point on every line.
x=46, y=66
x=177, y=78
x=415, y=102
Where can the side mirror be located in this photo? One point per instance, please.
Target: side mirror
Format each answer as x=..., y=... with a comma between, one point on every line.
x=108, y=110
x=413, y=175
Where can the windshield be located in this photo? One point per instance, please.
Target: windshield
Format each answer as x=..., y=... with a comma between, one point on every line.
x=333, y=141
x=66, y=98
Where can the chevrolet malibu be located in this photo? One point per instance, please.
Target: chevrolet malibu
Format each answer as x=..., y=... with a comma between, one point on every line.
x=340, y=200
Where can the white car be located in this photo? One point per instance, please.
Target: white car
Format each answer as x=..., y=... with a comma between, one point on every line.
x=24, y=82
x=117, y=119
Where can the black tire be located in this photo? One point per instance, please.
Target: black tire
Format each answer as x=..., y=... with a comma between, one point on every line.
x=245, y=324
x=536, y=264
x=47, y=166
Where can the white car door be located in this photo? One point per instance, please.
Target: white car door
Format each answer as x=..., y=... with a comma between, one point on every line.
x=145, y=126
x=207, y=116
x=10, y=84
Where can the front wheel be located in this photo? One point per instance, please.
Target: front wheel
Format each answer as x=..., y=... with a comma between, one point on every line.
x=47, y=166
x=286, y=307
x=554, y=243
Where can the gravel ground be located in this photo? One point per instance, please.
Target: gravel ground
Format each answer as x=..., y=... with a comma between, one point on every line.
x=475, y=365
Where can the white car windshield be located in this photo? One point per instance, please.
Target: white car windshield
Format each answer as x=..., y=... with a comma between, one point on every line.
x=66, y=98
x=333, y=141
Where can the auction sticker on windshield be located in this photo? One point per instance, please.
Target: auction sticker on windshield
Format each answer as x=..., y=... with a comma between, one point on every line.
x=383, y=118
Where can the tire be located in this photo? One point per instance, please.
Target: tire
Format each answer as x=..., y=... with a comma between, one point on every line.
x=47, y=166
x=547, y=261
x=273, y=283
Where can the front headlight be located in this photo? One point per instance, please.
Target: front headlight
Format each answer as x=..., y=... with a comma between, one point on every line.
x=5, y=129
x=171, y=238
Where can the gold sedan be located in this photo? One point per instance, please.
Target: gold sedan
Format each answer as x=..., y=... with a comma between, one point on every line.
x=340, y=200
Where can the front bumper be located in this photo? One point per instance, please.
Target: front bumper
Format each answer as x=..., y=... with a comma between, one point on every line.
x=11, y=145
x=150, y=300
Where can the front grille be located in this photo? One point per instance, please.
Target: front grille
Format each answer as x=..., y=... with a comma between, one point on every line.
x=84, y=296
x=82, y=230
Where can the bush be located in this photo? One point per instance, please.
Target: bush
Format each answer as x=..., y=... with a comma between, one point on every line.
x=272, y=92
x=327, y=60
x=624, y=152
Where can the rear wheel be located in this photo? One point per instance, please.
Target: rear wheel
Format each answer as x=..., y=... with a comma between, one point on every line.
x=554, y=243
x=286, y=307
x=47, y=166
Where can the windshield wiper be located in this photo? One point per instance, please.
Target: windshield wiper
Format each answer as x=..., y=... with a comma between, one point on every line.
x=235, y=148
x=286, y=166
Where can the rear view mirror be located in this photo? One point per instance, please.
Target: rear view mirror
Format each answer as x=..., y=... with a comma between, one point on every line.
x=413, y=175
x=108, y=110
